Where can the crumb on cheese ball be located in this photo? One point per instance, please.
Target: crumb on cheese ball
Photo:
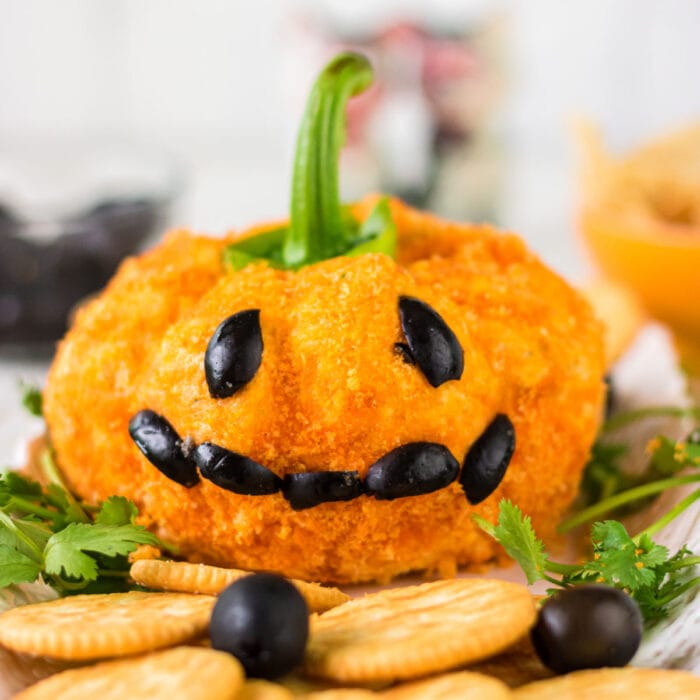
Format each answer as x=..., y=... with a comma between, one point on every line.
x=332, y=417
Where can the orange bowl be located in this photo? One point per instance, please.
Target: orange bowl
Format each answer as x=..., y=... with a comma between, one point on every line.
x=660, y=263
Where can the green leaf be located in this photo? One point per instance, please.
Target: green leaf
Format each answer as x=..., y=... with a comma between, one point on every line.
x=116, y=510
x=16, y=567
x=14, y=537
x=263, y=246
x=12, y=484
x=377, y=232
x=68, y=551
x=621, y=562
x=32, y=400
x=514, y=532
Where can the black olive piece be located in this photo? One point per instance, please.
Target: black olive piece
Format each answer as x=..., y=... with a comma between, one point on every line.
x=309, y=489
x=405, y=352
x=234, y=353
x=411, y=470
x=433, y=345
x=588, y=626
x=263, y=621
x=234, y=472
x=487, y=460
x=162, y=446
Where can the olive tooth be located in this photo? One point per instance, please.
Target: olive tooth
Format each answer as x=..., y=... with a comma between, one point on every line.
x=162, y=447
x=411, y=470
x=235, y=472
x=309, y=489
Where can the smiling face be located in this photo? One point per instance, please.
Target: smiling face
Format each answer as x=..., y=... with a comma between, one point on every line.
x=231, y=360
x=342, y=382
x=333, y=391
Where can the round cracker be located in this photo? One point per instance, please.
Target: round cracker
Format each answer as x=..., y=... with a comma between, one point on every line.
x=464, y=685
x=614, y=684
x=264, y=690
x=342, y=694
x=211, y=580
x=185, y=673
x=410, y=632
x=516, y=666
x=89, y=627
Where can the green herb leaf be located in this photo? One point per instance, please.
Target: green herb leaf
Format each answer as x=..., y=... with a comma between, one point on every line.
x=515, y=533
x=32, y=400
x=45, y=531
x=619, y=561
x=70, y=551
x=638, y=565
x=16, y=567
x=116, y=510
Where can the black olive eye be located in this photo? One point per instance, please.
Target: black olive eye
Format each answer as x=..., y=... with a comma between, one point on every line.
x=234, y=353
x=431, y=342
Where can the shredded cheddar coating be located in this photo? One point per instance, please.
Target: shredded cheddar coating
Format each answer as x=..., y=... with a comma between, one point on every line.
x=331, y=394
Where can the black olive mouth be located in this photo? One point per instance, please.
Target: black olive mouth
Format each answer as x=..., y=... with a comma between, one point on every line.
x=412, y=469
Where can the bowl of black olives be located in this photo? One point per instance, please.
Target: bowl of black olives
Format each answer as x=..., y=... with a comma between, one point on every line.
x=69, y=215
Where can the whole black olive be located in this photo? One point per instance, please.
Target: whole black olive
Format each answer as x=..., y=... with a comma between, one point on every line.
x=234, y=353
x=263, y=621
x=588, y=626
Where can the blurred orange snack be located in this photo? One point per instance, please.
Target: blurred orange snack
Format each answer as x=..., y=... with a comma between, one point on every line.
x=640, y=216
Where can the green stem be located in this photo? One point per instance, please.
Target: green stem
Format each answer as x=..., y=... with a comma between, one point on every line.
x=9, y=523
x=678, y=592
x=52, y=474
x=623, y=498
x=668, y=517
x=626, y=418
x=17, y=502
x=113, y=573
x=553, y=580
x=684, y=563
x=317, y=229
x=559, y=568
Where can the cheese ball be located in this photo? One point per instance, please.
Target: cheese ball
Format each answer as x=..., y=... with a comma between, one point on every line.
x=335, y=389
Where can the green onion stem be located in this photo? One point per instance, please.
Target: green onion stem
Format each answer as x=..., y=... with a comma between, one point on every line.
x=620, y=499
x=625, y=418
x=671, y=515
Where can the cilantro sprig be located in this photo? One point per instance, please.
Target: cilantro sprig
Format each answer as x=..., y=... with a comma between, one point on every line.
x=46, y=533
x=644, y=569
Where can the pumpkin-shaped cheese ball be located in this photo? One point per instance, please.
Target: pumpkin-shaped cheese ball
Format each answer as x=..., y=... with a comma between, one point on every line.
x=297, y=400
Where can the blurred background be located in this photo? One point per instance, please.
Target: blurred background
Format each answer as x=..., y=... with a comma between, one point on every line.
x=121, y=117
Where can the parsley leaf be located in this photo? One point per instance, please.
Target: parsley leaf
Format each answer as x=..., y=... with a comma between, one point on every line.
x=16, y=567
x=514, y=531
x=32, y=400
x=638, y=565
x=69, y=551
x=45, y=531
x=116, y=510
